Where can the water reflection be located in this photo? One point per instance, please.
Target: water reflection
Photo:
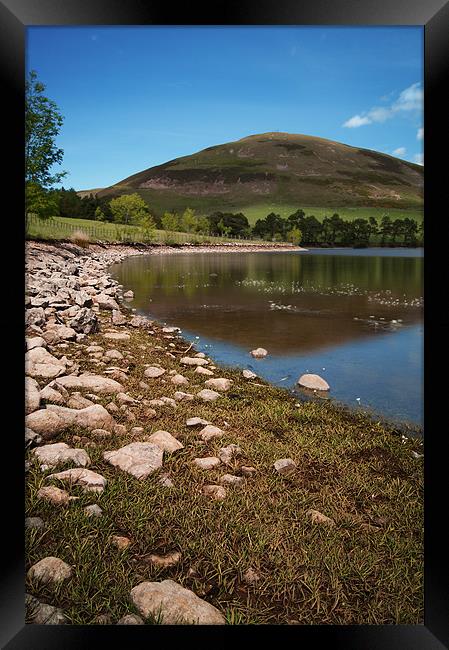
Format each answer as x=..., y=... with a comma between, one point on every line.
x=354, y=319
x=284, y=302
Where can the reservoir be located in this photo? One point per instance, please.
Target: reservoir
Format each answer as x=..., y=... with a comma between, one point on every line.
x=354, y=317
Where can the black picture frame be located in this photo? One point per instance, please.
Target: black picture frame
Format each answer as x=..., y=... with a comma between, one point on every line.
x=433, y=15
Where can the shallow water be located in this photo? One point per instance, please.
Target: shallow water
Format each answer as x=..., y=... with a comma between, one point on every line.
x=352, y=316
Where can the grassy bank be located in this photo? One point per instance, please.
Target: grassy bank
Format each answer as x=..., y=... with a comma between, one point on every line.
x=63, y=228
x=366, y=569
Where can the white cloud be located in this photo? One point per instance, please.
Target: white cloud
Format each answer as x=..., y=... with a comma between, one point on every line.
x=356, y=121
x=420, y=134
x=400, y=151
x=410, y=99
x=419, y=158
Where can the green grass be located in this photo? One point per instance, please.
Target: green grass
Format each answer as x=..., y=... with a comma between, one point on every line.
x=60, y=227
x=368, y=569
x=348, y=214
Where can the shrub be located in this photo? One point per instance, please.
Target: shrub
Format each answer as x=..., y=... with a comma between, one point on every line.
x=80, y=238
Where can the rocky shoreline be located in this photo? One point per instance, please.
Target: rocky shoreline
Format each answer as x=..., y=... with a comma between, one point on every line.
x=122, y=404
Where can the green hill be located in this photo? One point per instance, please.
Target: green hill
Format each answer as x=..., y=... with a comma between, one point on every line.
x=281, y=172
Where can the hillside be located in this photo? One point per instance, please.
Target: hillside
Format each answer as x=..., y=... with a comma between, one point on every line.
x=278, y=169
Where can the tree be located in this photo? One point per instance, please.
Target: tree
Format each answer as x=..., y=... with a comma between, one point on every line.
x=385, y=228
x=148, y=226
x=99, y=214
x=397, y=228
x=170, y=221
x=128, y=208
x=410, y=231
x=40, y=201
x=294, y=236
x=42, y=124
x=361, y=231
x=188, y=221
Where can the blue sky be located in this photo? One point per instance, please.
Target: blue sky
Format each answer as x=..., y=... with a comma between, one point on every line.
x=135, y=97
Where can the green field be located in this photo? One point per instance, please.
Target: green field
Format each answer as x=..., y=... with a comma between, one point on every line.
x=348, y=214
x=63, y=228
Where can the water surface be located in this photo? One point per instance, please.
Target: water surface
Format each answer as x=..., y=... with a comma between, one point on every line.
x=352, y=316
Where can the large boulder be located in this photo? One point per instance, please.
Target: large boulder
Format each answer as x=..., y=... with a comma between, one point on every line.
x=40, y=363
x=165, y=441
x=259, y=353
x=52, y=420
x=89, y=481
x=106, y=302
x=35, y=316
x=32, y=395
x=193, y=361
x=138, y=458
x=314, y=382
x=50, y=570
x=59, y=453
x=95, y=383
x=174, y=604
x=221, y=384
x=85, y=321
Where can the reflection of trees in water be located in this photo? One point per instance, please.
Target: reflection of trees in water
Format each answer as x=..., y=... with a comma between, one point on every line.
x=188, y=275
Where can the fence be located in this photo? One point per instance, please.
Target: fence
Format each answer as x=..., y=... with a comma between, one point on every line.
x=55, y=228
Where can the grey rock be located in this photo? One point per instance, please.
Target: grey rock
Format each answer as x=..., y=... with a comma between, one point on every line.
x=85, y=321
x=180, y=396
x=207, y=463
x=52, y=396
x=35, y=342
x=93, y=510
x=175, y=604
x=138, y=458
x=40, y=363
x=31, y=437
x=42, y=613
x=32, y=395
x=230, y=479
x=216, y=492
x=221, y=384
x=95, y=383
x=58, y=453
x=203, y=371
x=34, y=522
x=318, y=518
x=154, y=372
x=130, y=619
x=208, y=395
x=314, y=382
x=165, y=441
x=54, y=419
x=50, y=570
x=285, y=466
x=88, y=480
x=209, y=432
x=118, y=318
x=35, y=316
x=54, y=495
x=259, y=353
x=193, y=422
x=105, y=302
x=179, y=380
x=193, y=361
x=227, y=454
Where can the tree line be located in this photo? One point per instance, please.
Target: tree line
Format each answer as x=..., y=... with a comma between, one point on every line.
x=298, y=228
